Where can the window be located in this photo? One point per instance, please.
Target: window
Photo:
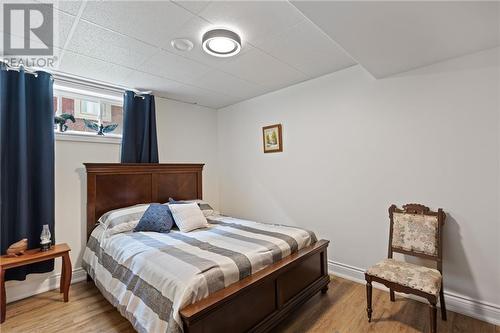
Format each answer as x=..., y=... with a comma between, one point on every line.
x=91, y=107
x=87, y=109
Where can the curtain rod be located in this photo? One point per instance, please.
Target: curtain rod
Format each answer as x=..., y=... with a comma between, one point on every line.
x=33, y=71
x=68, y=78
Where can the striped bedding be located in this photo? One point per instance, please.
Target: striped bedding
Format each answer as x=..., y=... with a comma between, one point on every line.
x=150, y=276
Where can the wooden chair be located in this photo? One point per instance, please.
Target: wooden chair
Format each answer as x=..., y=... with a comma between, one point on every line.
x=415, y=230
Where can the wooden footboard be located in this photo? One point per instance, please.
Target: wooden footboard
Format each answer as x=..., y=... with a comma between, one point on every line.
x=260, y=301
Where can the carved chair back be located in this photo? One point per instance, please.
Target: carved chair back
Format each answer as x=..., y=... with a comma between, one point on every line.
x=417, y=231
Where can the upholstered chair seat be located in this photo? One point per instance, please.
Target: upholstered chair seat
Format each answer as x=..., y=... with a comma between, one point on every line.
x=406, y=274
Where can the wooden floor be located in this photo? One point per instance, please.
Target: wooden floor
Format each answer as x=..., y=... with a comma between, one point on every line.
x=341, y=310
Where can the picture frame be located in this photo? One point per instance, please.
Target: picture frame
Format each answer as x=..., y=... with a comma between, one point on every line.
x=272, y=138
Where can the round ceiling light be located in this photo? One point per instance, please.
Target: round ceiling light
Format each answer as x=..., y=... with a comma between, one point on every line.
x=182, y=44
x=221, y=43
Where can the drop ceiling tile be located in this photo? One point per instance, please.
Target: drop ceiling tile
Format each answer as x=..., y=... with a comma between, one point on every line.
x=178, y=91
x=254, y=20
x=62, y=27
x=174, y=67
x=193, y=6
x=144, y=81
x=181, y=92
x=191, y=94
x=396, y=36
x=97, y=42
x=68, y=6
x=262, y=69
x=147, y=21
x=216, y=101
x=91, y=68
x=227, y=84
x=308, y=49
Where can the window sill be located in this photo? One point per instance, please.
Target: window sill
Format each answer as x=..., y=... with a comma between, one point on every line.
x=88, y=137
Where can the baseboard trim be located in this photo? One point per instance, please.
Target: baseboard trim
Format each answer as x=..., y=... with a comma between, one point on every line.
x=462, y=304
x=24, y=289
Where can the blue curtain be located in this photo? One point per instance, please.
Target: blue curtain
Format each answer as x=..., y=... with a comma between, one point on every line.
x=139, y=142
x=26, y=161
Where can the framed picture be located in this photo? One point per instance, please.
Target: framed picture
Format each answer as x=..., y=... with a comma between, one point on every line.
x=271, y=137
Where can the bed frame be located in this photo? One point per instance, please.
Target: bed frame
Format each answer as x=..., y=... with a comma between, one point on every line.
x=254, y=304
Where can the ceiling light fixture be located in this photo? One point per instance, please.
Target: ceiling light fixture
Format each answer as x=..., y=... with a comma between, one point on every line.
x=182, y=44
x=221, y=43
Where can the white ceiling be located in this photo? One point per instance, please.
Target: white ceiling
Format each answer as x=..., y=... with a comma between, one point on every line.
x=128, y=42
x=393, y=37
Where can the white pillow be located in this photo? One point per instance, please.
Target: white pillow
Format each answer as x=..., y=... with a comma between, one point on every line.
x=188, y=216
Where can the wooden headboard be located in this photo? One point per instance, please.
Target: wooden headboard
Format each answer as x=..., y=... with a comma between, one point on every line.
x=114, y=185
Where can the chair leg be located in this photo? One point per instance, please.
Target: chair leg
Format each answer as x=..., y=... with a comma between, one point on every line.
x=442, y=303
x=393, y=297
x=369, y=300
x=433, y=315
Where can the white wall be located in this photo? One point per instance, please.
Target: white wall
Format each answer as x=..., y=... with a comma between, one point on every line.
x=186, y=133
x=354, y=145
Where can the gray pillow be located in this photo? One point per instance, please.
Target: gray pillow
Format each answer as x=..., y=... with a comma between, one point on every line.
x=202, y=205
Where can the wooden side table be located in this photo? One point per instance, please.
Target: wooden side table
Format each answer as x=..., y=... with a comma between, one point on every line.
x=33, y=256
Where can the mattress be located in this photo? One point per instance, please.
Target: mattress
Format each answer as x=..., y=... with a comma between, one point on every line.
x=150, y=276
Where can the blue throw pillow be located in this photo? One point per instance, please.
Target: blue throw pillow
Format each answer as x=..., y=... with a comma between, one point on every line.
x=157, y=218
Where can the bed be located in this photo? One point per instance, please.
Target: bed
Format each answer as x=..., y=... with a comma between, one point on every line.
x=233, y=276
